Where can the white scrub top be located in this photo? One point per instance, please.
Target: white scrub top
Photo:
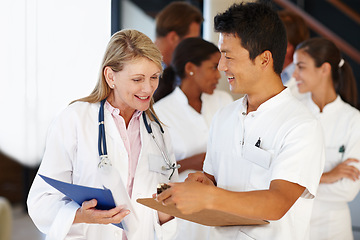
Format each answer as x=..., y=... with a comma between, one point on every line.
x=291, y=149
x=189, y=131
x=341, y=126
x=71, y=155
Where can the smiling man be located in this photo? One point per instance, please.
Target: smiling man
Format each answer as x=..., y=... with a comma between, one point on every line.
x=265, y=154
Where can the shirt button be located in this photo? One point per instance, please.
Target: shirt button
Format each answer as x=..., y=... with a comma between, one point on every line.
x=252, y=115
x=244, y=113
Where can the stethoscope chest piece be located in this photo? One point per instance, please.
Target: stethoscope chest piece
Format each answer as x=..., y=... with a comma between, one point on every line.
x=104, y=162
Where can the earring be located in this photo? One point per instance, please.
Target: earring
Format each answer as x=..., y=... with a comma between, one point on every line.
x=191, y=73
x=113, y=86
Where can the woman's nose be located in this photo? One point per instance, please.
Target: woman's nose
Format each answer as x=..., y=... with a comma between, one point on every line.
x=217, y=74
x=295, y=74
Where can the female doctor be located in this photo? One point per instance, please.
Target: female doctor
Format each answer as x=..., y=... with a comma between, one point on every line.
x=321, y=71
x=131, y=164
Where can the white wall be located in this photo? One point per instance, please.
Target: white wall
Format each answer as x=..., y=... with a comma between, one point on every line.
x=133, y=17
x=50, y=55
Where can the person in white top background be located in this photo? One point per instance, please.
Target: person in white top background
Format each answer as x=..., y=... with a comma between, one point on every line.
x=129, y=75
x=189, y=109
x=296, y=32
x=265, y=154
x=321, y=71
x=177, y=21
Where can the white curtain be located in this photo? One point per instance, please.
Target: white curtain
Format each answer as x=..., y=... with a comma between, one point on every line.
x=50, y=54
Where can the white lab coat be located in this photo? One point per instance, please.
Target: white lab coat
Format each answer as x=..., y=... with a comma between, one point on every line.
x=71, y=155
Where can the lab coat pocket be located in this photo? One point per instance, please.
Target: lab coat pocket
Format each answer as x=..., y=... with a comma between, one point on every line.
x=157, y=164
x=257, y=155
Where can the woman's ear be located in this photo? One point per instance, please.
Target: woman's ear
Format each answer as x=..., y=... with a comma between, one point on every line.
x=326, y=68
x=109, y=76
x=190, y=69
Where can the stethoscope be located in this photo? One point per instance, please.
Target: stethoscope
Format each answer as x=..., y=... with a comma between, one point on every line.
x=104, y=159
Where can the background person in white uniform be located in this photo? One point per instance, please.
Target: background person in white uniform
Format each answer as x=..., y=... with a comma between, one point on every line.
x=177, y=21
x=296, y=32
x=265, y=153
x=189, y=109
x=321, y=71
x=128, y=78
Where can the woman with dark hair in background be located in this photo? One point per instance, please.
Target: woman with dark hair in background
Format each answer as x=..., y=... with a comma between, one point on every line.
x=189, y=109
x=322, y=71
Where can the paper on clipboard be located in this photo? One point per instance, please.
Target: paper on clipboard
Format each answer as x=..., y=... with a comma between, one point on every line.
x=204, y=217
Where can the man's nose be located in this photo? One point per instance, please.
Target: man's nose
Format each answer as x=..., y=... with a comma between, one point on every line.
x=222, y=64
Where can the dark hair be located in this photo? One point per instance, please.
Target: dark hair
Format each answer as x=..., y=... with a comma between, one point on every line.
x=194, y=50
x=323, y=50
x=296, y=29
x=177, y=16
x=259, y=29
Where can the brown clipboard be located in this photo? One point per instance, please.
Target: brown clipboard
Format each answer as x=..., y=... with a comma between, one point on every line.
x=204, y=217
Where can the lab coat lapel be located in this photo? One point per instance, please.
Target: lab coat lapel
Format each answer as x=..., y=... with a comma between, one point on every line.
x=145, y=138
x=115, y=147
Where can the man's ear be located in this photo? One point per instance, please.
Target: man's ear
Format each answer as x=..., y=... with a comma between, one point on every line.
x=173, y=38
x=109, y=76
x=290, y=49
x=266, y=58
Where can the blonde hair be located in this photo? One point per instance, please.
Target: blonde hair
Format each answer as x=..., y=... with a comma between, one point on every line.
x=124, y=46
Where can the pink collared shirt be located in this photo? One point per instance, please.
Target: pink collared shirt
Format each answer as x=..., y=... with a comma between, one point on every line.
x=131, y=138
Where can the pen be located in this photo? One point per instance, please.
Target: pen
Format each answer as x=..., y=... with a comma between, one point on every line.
x=257, y=144
x=342, y=150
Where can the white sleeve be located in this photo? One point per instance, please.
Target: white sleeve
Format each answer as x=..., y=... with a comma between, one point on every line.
x=49, y=209
x=301, y=157
x=345, y=190
x=208, y=164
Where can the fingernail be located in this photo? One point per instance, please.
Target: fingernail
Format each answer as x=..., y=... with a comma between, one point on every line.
x=127, y=212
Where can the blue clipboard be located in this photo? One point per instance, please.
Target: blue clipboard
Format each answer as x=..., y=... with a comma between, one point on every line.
x=79, y=194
